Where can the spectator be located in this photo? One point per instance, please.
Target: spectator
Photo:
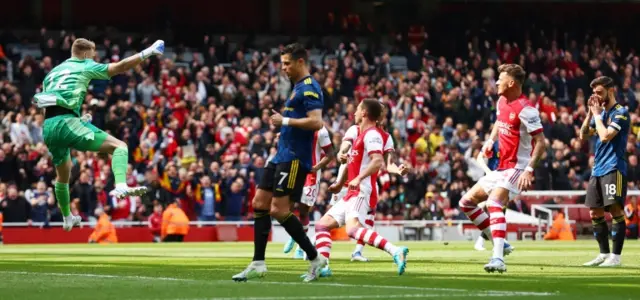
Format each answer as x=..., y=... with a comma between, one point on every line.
x=175, y=224
x=155, y=223
x=19, y=131
x=15, y=208
x=85, y=194
x=631, y=217
x=207, y=197
x=41, y=200
x=520, y=206
x=105, y=232
x=235, y=200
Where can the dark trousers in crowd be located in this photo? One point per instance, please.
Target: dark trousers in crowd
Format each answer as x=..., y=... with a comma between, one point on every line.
x=632, y=232
x=173, y=238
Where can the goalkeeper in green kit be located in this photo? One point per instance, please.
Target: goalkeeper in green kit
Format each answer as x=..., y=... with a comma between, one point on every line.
x=64, y=90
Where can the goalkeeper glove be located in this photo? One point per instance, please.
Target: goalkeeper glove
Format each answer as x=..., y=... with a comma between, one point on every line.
x=87, y=118
x=45, y=100
x=156, y=49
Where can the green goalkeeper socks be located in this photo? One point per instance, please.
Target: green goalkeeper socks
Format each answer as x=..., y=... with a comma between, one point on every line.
x=62, y=195
x=119, y=164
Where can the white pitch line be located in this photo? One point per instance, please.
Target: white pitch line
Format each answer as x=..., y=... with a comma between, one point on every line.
x=495, y=293
x=357, y=297
x=395, y=287
x=97, y=276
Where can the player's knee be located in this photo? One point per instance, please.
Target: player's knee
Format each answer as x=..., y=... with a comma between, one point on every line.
x=261, y=200
x=616, y=211
x=120, y=144
x=468, y=203
x=322, y=226
x=303, y=210
x=351, y=229
x=280, y=208
x=257, y=203
x=596, y=213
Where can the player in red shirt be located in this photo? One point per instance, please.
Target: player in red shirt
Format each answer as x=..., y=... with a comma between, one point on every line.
x=322, y=156
x=155, y=222
x=521, y=143
x=340, y=190
x=365, y=160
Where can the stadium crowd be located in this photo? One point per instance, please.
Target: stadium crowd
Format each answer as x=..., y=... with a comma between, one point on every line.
x=199, y=131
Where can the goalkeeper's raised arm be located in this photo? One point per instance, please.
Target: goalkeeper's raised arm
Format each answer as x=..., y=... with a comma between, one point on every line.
x=130, y=62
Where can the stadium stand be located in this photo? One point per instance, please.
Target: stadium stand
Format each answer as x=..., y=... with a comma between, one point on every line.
x=203, y=111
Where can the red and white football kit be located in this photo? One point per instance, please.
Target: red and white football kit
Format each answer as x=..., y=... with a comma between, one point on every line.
x=518, y=122
x=349, y=136
x=358, y=202
x=322, y=145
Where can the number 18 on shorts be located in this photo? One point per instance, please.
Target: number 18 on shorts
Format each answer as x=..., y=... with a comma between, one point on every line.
x=604, y=191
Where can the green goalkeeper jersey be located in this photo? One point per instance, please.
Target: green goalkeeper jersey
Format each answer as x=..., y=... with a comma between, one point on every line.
x=70, y=79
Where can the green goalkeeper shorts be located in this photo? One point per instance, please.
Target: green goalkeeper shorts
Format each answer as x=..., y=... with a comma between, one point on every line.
x=65, y=132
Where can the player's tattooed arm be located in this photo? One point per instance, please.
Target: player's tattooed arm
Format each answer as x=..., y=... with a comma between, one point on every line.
x=586, y=131
x=538, y=149
x=329, y=156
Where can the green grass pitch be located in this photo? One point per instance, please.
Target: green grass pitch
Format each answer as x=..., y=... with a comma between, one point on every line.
x=190, y=271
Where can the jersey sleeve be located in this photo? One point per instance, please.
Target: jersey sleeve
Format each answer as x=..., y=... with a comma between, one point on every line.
x=95, y=70
x=619, y=119
x=324, y=140
x=530, y=117
x=312, y=98
x=389, y=146
x=351, y=134
x=373, y=142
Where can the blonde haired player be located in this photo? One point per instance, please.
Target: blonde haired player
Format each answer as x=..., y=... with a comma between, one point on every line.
x=521, y=144
x=64, y=91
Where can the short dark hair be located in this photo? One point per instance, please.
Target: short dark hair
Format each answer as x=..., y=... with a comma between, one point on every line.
x=296, y=50
x=605, y=81
x=373, y=108
x=515, y=71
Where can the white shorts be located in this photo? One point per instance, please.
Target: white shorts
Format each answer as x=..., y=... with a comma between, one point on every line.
x=507, y=179
x=356, y=207
x=339, y=196
x=309, y=194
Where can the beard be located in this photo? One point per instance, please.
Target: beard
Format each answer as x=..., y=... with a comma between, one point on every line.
x=605, y=100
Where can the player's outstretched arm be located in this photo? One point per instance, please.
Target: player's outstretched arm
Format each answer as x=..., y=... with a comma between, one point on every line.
x=130, y=62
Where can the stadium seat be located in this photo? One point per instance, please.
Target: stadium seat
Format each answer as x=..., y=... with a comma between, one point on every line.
x=187, y=56
x=398, y=63
x=35, y=53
